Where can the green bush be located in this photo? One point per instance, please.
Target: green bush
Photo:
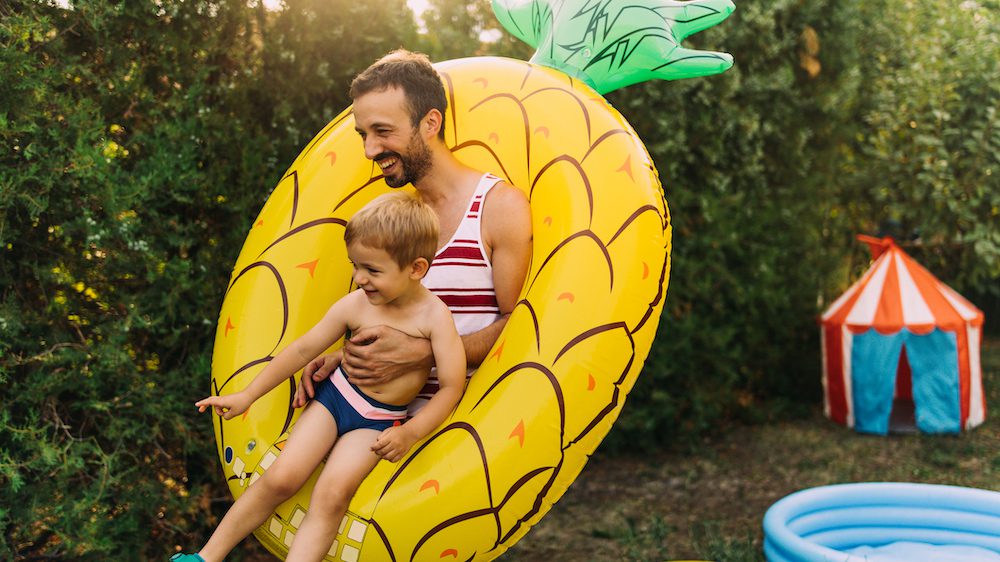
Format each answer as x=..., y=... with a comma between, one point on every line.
x=135, y=156
x=925, y=161
x=123, y=202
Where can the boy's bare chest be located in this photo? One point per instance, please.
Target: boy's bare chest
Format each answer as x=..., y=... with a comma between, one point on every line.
x=409, y=321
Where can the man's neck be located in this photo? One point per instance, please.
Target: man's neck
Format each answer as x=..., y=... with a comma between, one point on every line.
x=447, y=178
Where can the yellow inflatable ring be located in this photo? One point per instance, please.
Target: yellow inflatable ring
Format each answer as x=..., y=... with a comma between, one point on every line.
x=557, y=377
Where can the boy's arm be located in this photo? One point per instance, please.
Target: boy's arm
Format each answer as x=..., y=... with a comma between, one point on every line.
x=328, y=330
x=449, y=355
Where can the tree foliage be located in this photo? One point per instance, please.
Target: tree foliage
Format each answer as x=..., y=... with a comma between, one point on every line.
x=116, y=222
x=465, y=28
x=139, y=139
x=924, y=161
x=312, y=49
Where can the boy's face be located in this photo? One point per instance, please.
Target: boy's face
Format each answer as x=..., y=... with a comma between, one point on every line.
x=382, y=118
x=381, y=278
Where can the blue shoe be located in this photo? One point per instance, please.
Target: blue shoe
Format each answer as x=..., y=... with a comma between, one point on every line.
x=186, y=558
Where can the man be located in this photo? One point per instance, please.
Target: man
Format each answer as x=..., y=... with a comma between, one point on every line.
x=485, y=245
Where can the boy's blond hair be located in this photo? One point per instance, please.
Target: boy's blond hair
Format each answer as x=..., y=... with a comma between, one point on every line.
x=399, y=223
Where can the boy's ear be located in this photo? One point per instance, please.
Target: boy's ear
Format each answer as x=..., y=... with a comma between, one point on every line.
x=419, y=268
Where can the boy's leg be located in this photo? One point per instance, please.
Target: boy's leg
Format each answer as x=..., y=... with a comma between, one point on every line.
x=350, y=462
x=309, y=441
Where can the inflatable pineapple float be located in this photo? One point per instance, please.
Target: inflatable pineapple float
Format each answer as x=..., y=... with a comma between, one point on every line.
x=557, y=377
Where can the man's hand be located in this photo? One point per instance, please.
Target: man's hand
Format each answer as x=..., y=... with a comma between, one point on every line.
x=317, y=369
x=393, y=443
x=226, y=406
x=379, y=354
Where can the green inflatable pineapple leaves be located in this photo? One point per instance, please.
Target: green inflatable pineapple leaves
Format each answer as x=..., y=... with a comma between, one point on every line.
x=610, y=44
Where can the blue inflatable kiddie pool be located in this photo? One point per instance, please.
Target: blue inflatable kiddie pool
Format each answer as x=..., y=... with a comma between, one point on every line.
x=884, y=522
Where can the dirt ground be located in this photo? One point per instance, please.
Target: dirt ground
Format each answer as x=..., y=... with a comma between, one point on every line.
x=711, y=505
x=650, y=506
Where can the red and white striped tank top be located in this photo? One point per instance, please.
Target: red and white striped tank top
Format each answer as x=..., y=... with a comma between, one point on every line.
x=462, y=276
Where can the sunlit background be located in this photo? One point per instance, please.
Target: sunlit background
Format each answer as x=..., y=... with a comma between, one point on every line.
x=418, y=6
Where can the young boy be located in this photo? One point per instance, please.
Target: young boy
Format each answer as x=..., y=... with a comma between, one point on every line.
x=391, y=242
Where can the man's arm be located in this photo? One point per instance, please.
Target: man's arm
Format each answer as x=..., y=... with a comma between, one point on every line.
x=378, y=354
x=315, y=371
x=507, y=235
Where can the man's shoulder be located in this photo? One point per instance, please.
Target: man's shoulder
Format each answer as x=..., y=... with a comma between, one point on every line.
x=506, y=217
x=504, y=198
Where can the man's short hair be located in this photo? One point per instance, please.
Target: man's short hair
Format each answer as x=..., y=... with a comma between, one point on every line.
x=413, y=73
x=399, y=223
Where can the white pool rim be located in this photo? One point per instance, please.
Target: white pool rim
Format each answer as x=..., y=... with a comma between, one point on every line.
x=819, y=524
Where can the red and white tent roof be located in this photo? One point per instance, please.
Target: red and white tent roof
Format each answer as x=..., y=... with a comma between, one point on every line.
x=897, y=292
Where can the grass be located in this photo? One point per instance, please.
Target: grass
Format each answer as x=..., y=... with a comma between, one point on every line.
x=710, y=505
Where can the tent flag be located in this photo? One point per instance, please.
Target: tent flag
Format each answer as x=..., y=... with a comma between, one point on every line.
x=899, y=325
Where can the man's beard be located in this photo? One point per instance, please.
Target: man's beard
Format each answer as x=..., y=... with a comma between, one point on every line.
x=414, y=165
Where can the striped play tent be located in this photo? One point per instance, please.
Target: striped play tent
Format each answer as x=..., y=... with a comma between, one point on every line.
x=900, y=336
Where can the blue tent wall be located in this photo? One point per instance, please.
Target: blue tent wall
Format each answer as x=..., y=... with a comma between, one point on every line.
x=933, y=359
x=934, y=362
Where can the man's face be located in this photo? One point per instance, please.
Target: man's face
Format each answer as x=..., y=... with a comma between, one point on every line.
x=391, y=141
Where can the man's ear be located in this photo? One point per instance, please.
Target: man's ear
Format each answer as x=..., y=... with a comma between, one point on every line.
x=419, y=268
x=431, y=123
